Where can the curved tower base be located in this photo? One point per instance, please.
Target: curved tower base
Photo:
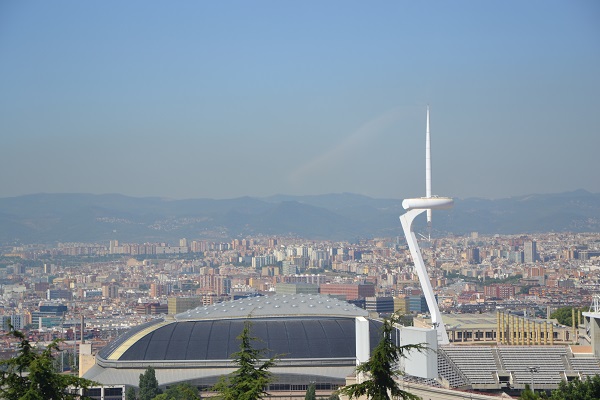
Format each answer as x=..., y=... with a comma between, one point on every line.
x=407, y=220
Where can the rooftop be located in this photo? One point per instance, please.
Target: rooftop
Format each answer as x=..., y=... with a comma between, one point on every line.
x=275, y=306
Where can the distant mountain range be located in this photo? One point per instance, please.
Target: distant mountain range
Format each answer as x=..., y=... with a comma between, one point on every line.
x=49, y=218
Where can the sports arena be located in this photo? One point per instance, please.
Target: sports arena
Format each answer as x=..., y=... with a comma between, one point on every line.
x=314, y=338
x=320, y=340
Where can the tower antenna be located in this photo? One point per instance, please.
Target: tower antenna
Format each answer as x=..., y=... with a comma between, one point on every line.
x=428, y=171
x=414, y=208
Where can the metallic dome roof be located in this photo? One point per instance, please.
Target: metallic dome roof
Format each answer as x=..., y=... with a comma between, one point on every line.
x=288, y=326
x=273, y=306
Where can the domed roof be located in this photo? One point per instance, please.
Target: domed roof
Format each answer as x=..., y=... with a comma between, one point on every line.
x=289, y=326
x=275, y=305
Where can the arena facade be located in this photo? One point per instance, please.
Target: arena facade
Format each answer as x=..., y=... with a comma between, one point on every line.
x=315, y=338
x=319, y=339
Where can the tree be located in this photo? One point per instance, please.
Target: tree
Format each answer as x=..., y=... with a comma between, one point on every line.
x=183, y=391
x=563, y=315
x=311, y=392
x=130, y=394
x=589, y=389
x=249, y=381
x=30, y=375
x=525, y=289
x=148, y=385
x=380, y=370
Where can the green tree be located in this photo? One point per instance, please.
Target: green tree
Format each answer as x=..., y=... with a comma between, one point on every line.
x=148, y=385
x=183, y=391
x=251, y=378
x=525, y=289
x=130, y=394
x=589, y=389
x=31, y=376
x=379, y=371
x=311, y=392
x=563, y=315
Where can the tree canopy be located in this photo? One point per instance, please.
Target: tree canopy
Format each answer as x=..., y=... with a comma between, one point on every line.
x=563, y=315
x=130, y=394
x=311, y=392
x=31, y=376
x=588, y=389
x=252, y=377
x=380, y=370
x=148, y=385
x=183, y=391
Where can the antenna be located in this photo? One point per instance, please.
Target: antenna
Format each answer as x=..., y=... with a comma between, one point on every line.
x=415, y=207
x=428, y=170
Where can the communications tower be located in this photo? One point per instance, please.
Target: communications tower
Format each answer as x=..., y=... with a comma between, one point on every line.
x=415, y=207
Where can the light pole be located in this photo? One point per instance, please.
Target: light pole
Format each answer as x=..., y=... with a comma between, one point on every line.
x=532, y=370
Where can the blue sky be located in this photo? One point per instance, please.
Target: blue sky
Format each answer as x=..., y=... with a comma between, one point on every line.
x=193, y=99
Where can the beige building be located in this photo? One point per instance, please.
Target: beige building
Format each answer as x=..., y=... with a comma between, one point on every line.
x=178, y=305
x=514, y=329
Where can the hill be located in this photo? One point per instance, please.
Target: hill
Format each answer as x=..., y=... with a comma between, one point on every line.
x=48, y=218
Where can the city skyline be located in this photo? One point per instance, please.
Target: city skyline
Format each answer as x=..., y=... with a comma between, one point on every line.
x=207, y=100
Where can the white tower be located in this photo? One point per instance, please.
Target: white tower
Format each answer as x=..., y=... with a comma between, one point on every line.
x=428, y=169
x=415, y=207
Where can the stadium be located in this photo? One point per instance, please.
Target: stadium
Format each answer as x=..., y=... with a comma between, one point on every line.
x=320, y=340
x=314, y=338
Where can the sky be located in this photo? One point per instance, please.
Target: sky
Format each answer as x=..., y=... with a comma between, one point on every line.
x=222, y=99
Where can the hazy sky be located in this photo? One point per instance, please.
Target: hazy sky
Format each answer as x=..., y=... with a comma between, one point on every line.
x=223, y=99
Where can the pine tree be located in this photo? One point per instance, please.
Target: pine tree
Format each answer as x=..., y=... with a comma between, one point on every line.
x=31, y=376
x=148, y=385
x=379, y=370
x=311, y=392
x=251, y=378
x=130, y=394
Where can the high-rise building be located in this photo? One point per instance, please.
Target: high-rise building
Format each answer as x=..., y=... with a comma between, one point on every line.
x=47, y=269
x=500, y=291
x=295, y=288
x=50, y=314
x=402, y=304
x=110, y=291
x=178, y=305
x=59, y=294
x=530, y=251
x=158, y=290
x=418, y=304
x=381, y=305
x=473, y=255
x=18, y=321
x=349, y=290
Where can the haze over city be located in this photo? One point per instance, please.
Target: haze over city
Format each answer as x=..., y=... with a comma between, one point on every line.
x=220, y=100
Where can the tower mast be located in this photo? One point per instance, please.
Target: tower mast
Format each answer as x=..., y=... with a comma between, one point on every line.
x=415, y=207
x=428, y=170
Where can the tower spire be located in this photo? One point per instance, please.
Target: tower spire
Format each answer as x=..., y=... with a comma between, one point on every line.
x=427, y=158
x=428, y=169
x=414, y=208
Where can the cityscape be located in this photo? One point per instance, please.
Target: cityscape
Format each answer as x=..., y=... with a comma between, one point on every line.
x=52, y=292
